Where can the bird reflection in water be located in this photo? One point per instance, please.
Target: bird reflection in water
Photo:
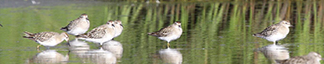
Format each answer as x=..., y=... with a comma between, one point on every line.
x=170, y=56
x=78, y=47
x=114, y=47
x=49, y=57
x=275, y=53
x=98, y=56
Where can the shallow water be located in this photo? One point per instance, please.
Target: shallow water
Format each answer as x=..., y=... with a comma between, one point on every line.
x=214, y=33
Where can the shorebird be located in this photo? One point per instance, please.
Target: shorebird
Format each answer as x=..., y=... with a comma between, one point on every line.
x=99, y=34
x=275, y=32
x=311, y=58
x=169, y=33
x=78, y=26
x=47, y=39
x=118, y=27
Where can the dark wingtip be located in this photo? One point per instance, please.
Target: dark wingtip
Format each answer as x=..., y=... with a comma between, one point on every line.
x=149, y=33
x=81, y=36
x=77, y=36
x=254, y=35
x=1, y=25
x=64, y=29
x=153, y=34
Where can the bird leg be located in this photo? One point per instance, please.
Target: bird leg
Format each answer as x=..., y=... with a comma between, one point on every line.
x=38, y=46
x=100, y=45
x=168, y=44
x=47, y=47
x=274, y=42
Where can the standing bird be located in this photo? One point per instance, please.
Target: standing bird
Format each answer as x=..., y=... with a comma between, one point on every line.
x=311, y=58
x=169, y=33
x=275, y=32
x=78, y=26
x=99, y=34
x=47, y=39
x=118, y=27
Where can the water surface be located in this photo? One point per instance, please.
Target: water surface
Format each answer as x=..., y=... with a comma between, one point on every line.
x=214, y=32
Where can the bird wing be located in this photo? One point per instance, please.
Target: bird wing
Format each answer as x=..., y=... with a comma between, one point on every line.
x=43, y=36
x=98, y=32
x=269, y=30
x=72, y=24
x=164, y=31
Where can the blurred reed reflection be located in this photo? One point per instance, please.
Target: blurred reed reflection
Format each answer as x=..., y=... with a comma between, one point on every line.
x=275, y=53
x=170, y=56
x=114, y=47
x=49, y=57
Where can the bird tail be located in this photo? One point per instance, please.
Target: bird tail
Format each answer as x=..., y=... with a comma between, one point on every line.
x=28, y=34
x=257, y=35
x=153, y=34
x=81, y=36
x=64, y=28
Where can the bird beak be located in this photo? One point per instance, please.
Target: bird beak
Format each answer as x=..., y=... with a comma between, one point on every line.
x=291, y=26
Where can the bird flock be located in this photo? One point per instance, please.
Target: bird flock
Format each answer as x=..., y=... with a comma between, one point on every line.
x=100, y=34
x=113, y=29
x=78, y=28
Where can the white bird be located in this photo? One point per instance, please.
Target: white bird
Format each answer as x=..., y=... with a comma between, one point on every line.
x=47, y=39
x=275, y=32
x=169, y=33
x=99, y=34
x=78, y=26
